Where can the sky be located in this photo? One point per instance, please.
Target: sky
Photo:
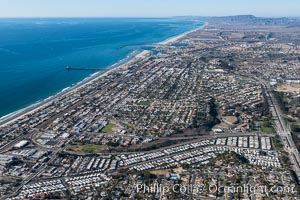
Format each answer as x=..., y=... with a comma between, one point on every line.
x=147, y=8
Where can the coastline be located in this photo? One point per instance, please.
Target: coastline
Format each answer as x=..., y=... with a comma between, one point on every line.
x=180, y=36
x=11, y=117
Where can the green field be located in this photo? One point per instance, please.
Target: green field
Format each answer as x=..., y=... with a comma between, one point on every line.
x=145, y=103
x=86, y=148
x=108, y=128
x=267, y=129
x=267, y=126
x=277, y=143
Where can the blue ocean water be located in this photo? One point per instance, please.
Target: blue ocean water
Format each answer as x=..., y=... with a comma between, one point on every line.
x=35, y=52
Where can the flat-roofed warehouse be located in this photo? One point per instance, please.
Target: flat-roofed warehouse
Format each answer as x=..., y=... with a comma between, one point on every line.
x=21, y=144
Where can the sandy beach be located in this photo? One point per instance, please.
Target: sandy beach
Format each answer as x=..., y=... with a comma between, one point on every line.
x=10, y=118
x=178, y=37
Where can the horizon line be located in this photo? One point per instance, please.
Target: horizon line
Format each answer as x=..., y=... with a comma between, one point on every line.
x=178, y=16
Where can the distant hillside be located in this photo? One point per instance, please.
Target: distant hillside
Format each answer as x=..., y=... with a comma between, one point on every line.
x=249, y=19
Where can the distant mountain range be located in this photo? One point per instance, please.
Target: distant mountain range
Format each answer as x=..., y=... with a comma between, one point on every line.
x=249, y=19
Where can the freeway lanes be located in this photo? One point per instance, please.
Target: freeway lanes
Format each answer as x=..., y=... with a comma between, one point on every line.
x=283, y=132
x=11, y=144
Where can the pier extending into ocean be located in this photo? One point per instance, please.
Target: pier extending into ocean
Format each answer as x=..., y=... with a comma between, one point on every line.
x=82, y=68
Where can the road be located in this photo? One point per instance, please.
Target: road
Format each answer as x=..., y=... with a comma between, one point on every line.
x=38, y=172
x=283, y=131
x=11, y=144
x=189, y=140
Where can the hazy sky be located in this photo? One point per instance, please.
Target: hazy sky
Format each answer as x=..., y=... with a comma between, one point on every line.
x=146, y=8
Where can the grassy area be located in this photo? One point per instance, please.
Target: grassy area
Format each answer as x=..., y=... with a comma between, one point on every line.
x=267, y=126
x=280, y=98
x=277, y=143
x=108, y=128
x=145, y=103
x=86, y=148
x=267, y=129
x=162, y=172
x=285, y=160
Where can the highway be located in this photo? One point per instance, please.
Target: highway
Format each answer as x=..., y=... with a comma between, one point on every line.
x=11, y=144
x=283, y=131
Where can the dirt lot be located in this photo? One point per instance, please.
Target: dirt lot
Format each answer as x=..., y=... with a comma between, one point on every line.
x=288, y=88
x=166, y=171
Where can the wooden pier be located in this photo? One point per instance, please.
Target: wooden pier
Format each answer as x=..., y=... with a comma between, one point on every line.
x=82, y=68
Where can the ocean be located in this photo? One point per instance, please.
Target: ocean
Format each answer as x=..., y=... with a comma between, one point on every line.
x=35, y=52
